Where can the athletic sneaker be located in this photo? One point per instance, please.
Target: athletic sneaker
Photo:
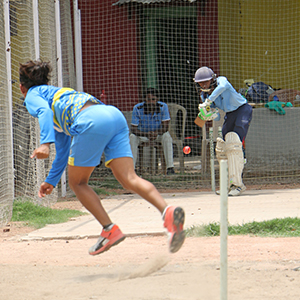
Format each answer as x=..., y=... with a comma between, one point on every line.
x=170, y=171
x=236, y=190
x=107, y=239
x=173, y=221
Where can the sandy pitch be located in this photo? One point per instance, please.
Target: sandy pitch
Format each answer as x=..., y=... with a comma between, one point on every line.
x=142, y=268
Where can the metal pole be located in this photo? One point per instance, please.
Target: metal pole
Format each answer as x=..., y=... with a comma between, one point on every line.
x=9, y=85
x=58, y=44
x=35, y=11
x=212, y=159
x=36, y=28
x=78, y=46
x=223, y=228
x=59, y=78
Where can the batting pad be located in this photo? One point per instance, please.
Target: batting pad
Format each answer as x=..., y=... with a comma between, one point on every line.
x=234, y=153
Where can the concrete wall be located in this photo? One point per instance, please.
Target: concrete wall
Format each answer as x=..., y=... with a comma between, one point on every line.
x=273, y=140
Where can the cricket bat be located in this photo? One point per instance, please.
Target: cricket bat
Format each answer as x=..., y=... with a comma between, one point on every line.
x=199, y=122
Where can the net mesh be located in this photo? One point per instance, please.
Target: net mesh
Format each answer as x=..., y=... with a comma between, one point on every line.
x=29, y=173
x=129, y=46
x=6, y=171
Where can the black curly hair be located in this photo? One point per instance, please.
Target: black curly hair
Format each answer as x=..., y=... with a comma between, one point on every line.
x=34, y=73
x=152, y=91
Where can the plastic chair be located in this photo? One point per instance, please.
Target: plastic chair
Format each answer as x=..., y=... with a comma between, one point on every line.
x=128, y=116
x=177, y=130
x=153, y=156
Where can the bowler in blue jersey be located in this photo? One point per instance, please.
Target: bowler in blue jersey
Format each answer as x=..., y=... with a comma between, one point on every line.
x=82, y=128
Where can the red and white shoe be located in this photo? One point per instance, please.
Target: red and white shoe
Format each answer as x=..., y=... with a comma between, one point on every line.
x=173, y=221
x=107, y=239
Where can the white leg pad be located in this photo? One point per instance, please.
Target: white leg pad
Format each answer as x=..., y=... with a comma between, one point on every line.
x=220, y=149
x=234, y=153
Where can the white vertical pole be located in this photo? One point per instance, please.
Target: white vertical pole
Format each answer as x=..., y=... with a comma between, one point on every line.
x=58, y=44
x=36, y=28
x=78, y=46
x=59, y=77
x=9, y=82
x=36, y=37
x=223, y=228
x=212, y=159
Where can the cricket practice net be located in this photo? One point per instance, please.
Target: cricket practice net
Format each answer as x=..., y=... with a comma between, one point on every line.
x=29, y=30
x=131, y=45
x=115, y=50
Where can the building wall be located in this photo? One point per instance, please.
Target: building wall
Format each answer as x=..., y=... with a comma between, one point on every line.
x=270, y=39
x=208, y=33
x=260, y=40
x=109, y=50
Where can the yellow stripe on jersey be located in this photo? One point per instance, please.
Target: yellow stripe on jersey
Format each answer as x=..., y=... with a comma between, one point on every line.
x=67, y=119
x=71, y=161
x=56, y=97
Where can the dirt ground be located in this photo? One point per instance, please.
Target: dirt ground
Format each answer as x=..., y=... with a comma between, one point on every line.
x=141, y=268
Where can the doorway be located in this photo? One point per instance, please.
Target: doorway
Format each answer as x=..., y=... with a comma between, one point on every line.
x=171, y=54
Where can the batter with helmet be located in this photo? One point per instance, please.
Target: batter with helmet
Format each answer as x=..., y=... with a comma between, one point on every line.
x=217, y=92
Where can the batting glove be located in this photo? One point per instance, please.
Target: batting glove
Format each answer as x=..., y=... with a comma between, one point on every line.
x=206, y=103
x=207, y=113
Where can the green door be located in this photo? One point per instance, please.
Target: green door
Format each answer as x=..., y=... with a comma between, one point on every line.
x=171, y=54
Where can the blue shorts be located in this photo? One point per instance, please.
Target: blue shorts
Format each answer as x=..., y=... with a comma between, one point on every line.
x=238, y=121
x=99, y=128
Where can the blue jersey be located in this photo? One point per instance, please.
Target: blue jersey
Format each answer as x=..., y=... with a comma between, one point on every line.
x=56, y=108
x=150, y=122
x=225, y=96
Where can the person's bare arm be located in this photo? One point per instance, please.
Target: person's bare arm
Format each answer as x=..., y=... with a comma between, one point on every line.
x=151, y=135
x=134, y=130
x=164, y=127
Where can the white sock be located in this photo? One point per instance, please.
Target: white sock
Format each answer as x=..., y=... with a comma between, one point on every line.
x=109, y=227
x=164, y=212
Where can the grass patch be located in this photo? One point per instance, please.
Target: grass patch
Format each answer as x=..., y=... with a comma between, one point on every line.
x=37, y=216
x=286, y=227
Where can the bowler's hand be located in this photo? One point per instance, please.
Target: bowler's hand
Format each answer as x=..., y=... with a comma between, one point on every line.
x=41, y=152
x=45, y=189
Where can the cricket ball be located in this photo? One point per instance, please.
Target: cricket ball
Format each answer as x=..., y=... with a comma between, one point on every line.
x=186, y=150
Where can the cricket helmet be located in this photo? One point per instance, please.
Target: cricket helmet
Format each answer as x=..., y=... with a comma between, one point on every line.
x=205, y=74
